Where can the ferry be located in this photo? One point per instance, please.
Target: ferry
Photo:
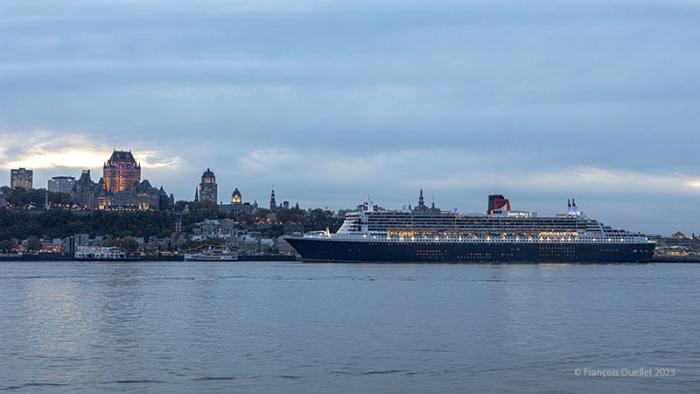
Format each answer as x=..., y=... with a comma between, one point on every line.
x=428, y=235
x=96, y=253
x=212, y=255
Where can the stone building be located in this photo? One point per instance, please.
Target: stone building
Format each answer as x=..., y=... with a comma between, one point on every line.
x=121, y=172
x=237, y=207
x=208, y=188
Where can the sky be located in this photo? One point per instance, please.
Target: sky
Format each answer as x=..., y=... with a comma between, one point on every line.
x=334, y=101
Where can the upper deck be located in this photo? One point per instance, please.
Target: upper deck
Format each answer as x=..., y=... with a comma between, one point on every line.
x=448, y=226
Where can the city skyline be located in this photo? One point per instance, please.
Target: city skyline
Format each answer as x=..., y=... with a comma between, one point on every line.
x=331, y=101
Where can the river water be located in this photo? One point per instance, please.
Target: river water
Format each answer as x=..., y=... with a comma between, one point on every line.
x=291, y=327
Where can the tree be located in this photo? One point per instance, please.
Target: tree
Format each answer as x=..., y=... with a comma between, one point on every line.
x=33, y=243
x=5, y=245
x=129, y=244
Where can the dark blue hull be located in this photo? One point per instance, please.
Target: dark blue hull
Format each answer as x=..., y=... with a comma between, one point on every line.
x=314, y=250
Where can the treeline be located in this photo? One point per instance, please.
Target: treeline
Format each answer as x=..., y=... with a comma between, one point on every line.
x=21, y=224
x=37, y=197
x=59, y=223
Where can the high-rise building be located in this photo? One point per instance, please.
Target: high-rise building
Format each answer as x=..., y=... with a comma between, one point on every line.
x=61, y=184
x=121, y=172
x=207, y=187
x=2, y=199
x=21, y=178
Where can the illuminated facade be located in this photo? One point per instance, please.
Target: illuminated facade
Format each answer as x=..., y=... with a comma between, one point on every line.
x=207, y=187
x=236, y=197
x=121, y=173
x=237, y=207
x=121, y=188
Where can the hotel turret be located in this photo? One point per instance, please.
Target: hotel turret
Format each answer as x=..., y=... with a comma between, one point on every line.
x=121, y=172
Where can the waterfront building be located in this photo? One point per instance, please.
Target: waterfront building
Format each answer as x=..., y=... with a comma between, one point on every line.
x=61, y=184
x=285, y=204
x=207, y=191
x=21, y=178
x=2, y=199
x=70, y=244
x=121, y=172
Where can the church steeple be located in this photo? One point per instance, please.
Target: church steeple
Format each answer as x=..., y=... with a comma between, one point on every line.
x=273, y=202
x=196, y=194
x=421, y=201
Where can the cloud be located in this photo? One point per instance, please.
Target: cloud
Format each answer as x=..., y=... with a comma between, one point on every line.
x=443, y=170
x=331, y=100
x=46, y=150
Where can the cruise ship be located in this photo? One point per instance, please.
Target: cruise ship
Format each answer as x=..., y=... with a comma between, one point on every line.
x=427, y=235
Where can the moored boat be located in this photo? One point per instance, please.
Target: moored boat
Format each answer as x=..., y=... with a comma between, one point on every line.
x=97, y=253
x=212, y=254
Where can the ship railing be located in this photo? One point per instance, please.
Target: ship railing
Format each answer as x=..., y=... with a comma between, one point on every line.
x=483, y=239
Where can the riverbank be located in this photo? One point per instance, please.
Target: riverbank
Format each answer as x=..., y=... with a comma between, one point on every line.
x=70, y=257
x=676, y=259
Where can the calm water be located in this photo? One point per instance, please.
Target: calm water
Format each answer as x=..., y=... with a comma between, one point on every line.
x=290, y=327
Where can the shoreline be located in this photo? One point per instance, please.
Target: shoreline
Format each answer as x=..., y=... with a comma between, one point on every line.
x=264, y=258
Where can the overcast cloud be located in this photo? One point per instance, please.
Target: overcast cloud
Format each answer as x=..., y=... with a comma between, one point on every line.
x=332, y=101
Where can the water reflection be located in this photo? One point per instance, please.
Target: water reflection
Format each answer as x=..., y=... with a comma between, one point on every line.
x=261, y=327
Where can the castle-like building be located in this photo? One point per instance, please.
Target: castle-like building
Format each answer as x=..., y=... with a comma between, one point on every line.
x=120, y=188
x=121, y=172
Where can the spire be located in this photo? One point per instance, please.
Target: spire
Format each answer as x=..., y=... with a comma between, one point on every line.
x=573, y=202
x=421, y=201
x=568, y=203
x=273, y=202
x=196, y=194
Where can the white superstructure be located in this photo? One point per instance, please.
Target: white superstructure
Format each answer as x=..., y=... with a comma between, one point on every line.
x=499, y=227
